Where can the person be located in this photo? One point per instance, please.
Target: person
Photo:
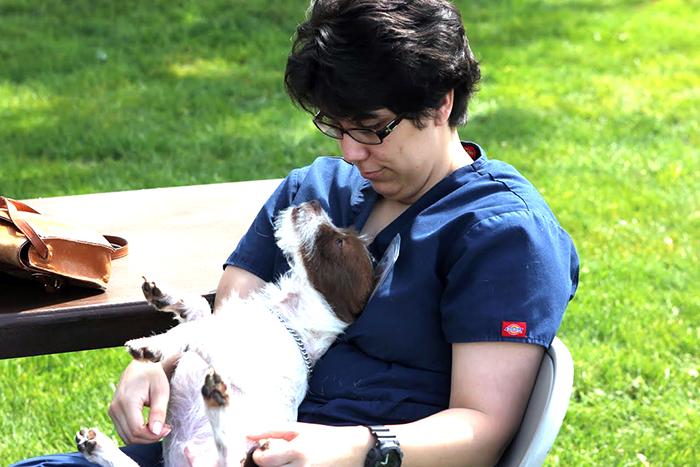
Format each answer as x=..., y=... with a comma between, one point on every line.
x=477, y=271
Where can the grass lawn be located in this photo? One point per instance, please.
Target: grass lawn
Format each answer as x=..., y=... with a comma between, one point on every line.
x=597, y=102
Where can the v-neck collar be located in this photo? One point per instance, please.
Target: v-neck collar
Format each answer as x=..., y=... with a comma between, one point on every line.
x=366, y=197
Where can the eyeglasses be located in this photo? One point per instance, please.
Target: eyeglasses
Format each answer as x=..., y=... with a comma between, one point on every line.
x=361, y=135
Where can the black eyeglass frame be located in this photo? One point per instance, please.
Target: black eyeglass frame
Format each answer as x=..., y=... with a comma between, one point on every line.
x=381, y=134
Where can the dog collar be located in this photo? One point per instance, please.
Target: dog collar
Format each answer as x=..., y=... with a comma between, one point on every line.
x=297, y=338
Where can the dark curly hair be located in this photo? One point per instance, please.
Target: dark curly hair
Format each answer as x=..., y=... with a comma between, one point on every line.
x=351, y=57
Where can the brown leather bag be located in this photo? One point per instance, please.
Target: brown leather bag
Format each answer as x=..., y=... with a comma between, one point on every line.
x=55, y=253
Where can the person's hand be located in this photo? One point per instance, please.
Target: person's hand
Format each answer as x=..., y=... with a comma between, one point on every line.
x=304, y=444
x=143, y=384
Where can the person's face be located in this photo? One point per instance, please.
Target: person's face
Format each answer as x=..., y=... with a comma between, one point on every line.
x=402, y=167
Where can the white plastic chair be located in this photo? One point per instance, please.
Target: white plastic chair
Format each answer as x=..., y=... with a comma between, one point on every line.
x=545, y=410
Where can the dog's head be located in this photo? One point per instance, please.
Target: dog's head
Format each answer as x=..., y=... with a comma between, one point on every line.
x=335, y=261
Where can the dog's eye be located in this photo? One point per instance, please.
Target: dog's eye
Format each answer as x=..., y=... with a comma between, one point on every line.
x=339, y=242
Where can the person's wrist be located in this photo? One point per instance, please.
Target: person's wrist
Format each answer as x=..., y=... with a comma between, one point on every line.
x=363, y=442
x=385, y=449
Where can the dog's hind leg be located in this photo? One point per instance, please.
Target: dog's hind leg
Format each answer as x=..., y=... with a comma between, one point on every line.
x=185, y=308
x=227, y=428
x=101, y=450
x=216, y=400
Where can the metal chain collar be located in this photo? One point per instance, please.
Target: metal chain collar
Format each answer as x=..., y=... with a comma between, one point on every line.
x=297, y=338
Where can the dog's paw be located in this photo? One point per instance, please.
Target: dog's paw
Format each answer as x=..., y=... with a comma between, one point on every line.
x=163, y=301
x=214, y=391
x=141, y=350
x=85, y=440
x=100, y=449
x=93, y=444
x=156, y=297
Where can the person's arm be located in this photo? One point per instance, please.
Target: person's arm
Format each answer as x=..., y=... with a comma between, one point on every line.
x=491, y=384
x=236, y=280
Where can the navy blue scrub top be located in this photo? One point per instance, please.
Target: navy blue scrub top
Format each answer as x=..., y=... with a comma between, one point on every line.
x=481, y=257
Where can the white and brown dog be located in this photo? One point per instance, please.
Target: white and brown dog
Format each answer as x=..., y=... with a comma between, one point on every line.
x=246, y=366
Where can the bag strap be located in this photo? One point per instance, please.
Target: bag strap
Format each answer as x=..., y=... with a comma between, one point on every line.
x=14, y=207
x=18, y=204
x=120, y=245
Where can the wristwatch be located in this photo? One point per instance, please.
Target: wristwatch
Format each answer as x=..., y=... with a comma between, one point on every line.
x=386, y=451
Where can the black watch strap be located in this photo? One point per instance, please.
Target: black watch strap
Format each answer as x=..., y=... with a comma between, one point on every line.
x=386, y=450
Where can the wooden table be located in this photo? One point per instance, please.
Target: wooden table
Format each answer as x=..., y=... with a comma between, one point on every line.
x=180, y=236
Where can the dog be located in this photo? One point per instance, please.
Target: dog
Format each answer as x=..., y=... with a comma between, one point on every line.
x=246, y=366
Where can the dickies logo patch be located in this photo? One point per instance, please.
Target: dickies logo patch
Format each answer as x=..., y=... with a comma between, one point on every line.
x=513, y=329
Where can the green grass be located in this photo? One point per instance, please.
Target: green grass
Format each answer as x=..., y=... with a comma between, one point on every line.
x=598, y=103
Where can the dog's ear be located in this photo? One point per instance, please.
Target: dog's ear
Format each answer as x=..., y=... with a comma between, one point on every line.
x=340, y=268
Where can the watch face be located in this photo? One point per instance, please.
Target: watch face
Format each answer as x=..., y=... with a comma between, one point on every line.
x=392, y=458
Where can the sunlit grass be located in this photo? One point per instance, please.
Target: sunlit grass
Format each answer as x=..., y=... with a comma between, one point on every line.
x=202, y=68
x=597, y=102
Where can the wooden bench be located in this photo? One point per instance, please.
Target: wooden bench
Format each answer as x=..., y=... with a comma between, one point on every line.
x=180, y=236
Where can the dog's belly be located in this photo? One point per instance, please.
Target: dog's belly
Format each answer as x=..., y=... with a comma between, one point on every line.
x=186, y=413
x=252, y=350
x=260, y=363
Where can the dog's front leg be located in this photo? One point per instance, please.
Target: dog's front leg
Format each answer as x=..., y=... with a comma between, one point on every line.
x=163, y=346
